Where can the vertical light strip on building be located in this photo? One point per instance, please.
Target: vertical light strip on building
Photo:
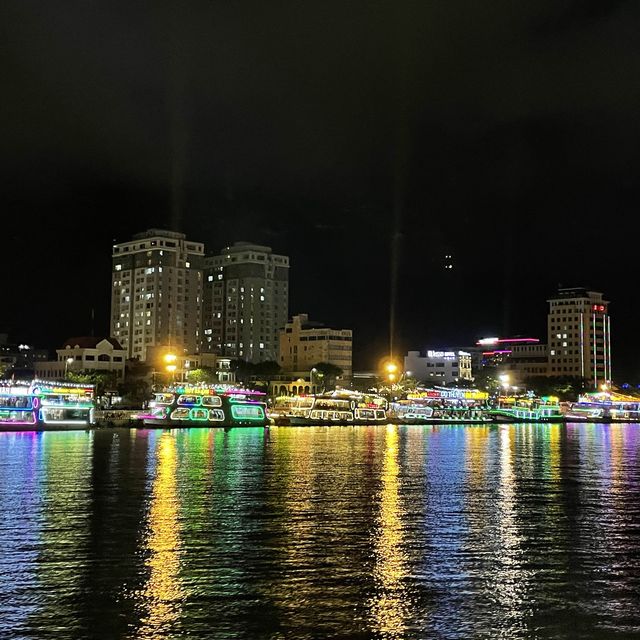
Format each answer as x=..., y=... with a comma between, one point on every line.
x=604, y=346
x=595, y=361
x=609, y=340
x=582, y=344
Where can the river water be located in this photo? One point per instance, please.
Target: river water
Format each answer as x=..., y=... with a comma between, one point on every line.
x=529, y=531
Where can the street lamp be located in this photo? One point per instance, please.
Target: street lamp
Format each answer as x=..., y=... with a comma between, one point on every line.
x=170, y=366
x=504, y=380
x=314, y=370
x=391, y=368
x=67, y=362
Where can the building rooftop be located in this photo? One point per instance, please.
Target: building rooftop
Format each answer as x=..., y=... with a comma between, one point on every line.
x=89, y=342
x=164, y=233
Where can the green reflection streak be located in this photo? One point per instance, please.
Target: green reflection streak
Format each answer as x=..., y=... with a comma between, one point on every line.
x=163, y=595
x=390, y=606
x=65, y=468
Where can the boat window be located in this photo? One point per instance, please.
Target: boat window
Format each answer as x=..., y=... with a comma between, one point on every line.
x=198, y=414
x=188, y=400
x=164, y=398
x=180, y=414
x=216, y=415
x=247, y=412
x=211, y=401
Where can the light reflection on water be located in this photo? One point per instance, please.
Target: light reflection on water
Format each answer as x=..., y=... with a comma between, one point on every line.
x=529, y=531
x=391, y=602
x=161, y=598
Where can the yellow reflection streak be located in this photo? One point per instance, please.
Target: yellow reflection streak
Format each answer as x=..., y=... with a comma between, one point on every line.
x=511, y=580
x=390, y=606
x=163, y=592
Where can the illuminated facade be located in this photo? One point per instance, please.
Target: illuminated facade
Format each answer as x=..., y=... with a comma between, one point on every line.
x=520, y=357
x=18, y=357
x=246, y=302
x=579, y=329
x=156, y=292
x=438, y=367
x=85, y=353
x=304, y=344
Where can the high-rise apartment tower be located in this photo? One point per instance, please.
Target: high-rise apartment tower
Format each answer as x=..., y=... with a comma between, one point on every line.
x=156, y=293
x=246, y=302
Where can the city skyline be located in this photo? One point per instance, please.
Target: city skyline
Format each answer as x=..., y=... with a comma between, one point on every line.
x=476, y=159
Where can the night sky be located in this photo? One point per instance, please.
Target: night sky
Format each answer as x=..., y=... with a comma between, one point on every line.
x=505, y=134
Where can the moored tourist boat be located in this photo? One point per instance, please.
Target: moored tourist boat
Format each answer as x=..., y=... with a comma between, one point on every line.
x=206, y=406
x=334, y=407
x=441, y=405
x=528, y=409
x=604, y=406
x=44, y=405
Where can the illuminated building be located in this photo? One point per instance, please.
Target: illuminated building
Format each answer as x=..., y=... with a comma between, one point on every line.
x=579, y=329
x=156, y=292
x=166, y=360
x=304, y=344
x=439, y=367
x=19, y=358
x=246, y=302
x=85, y=353
x=520, y=357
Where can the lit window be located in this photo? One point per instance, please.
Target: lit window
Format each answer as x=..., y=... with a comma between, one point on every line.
x=118, y=267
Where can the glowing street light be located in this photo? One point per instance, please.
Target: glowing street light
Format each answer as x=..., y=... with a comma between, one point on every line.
x=67, y=362
x=170, y=366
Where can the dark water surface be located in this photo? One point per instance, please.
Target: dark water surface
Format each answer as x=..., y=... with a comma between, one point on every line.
x=529, y=531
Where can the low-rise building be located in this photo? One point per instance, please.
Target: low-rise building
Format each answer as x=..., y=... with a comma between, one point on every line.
x=304, y=344
x=528, y=361
x=19, y=358
x=86, y=353
x=438, y=367
x=175, y=364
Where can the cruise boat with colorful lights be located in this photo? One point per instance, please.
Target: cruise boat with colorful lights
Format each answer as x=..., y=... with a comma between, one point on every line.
x=44, y=405
x=441, y=405
x=528, y=409
x=604, y=406
x=206, y=406
x=341, y=407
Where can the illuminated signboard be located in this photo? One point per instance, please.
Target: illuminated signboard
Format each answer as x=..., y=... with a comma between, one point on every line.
x=446, y=355
x=452, y=394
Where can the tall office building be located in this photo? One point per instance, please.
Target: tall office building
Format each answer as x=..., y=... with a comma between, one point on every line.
x=246, y=302
x=156, y=293
x=579, y=328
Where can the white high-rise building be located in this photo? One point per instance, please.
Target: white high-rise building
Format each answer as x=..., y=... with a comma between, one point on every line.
x=579, y=328
x=246, y=302
x=156, y=292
